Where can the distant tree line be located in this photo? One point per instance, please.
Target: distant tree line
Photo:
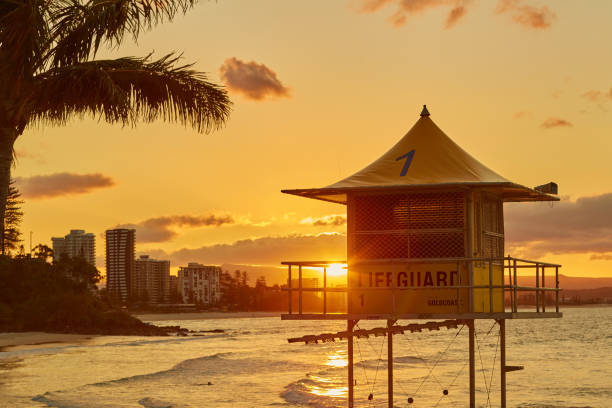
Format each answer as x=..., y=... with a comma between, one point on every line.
x=43, y=294
x=237, y=295
x=60, y=297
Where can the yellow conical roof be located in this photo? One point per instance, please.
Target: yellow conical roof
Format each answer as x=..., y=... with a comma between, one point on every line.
x=424, y=158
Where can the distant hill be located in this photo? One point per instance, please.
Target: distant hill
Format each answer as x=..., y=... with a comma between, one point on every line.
x=589, y=295
x=568, y=282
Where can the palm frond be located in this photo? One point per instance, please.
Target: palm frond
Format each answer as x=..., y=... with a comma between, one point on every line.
x=24, y=35
x=79, y=28
x=129, y=89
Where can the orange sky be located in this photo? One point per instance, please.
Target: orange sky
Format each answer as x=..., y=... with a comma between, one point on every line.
x=321, y=89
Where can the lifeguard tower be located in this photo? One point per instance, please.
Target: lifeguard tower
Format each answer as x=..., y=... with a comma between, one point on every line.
x=425, y=240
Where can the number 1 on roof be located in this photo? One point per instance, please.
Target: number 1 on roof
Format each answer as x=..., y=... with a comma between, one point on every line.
x=408, y=156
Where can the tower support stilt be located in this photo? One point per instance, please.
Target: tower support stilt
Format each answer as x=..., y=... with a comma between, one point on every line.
x=351, y=381
x=472, y=335
x=390, y=362
x=502, y=359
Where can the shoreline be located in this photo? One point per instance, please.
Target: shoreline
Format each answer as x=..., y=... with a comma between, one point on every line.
x=27, y=340
x=155, y=317
x=11, y=341
x=22, y=340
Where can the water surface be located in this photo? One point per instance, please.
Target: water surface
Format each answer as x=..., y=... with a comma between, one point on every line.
x=567, y=364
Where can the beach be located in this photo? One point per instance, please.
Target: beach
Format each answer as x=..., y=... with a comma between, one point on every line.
x=23, y=339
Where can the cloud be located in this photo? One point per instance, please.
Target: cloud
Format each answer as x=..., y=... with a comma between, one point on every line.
x=61, y=184
x=601, y=257
x=555, y=122
x=524, y=14
x=26, y=154
x=328, y=220
x=161, y=229
x=597, y=96
x=567, y=227
x=271, y=250
x=253, y=80
x=370, y=6
x=522, y=114
x=454, y=16
x=527, y=15
x=407, y=8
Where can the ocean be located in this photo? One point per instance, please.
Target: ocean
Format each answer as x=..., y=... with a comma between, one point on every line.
x=567, y=363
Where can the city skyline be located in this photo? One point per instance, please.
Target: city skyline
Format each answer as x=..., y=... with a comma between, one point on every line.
x=529, y=106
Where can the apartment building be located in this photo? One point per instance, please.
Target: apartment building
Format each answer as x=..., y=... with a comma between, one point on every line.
x=199, y=284
x=151, y=280
x=77, y=243
x=120, y=245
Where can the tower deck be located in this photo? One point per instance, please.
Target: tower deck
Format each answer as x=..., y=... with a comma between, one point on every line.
x=474, y=300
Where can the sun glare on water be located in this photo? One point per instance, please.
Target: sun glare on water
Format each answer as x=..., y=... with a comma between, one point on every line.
x=336, y=359
x=327, y=386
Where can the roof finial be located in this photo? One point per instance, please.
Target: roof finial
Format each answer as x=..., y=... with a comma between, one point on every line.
x=424, y=112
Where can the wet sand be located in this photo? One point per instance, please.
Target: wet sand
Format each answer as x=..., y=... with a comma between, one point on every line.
x=38, y=338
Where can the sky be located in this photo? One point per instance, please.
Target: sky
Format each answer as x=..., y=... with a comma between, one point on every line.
x=322, y=88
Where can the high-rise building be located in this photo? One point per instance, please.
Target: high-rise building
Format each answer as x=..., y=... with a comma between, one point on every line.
x=199, y=283
x=120, y=262
x=151, y=281
x=174, y=289
x=76, y=244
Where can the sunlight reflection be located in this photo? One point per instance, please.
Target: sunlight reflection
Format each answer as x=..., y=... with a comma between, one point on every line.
x=329, y=392
x=328, y=387
x=336, y=360
x=336, y=269
x=325, y=380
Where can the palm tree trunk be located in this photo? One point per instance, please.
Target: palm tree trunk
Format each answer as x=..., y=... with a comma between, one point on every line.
x=8, y=136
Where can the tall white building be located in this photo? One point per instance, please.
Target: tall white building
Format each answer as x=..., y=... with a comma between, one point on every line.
x=76, y=244
x=120, y=244
x=151, y=281
x=199, y=283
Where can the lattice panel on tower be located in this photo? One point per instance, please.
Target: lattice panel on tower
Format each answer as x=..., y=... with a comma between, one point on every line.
x=492, y=216
x=381, y=212
x=436, y=210
x=380, y=246
x=408, y=220
x=437, y=245
x=493, y=246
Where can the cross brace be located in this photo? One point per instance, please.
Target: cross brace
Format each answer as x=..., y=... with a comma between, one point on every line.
x=376, y=332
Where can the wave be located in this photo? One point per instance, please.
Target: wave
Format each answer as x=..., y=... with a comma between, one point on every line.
x=146, y=402
x=130, y=343
x=198, y=364
x=159, y=340
x=401, y=360
x=316, y=391
x=52, y=400
x=195, y=372
x=157, y=403
x=536, y=405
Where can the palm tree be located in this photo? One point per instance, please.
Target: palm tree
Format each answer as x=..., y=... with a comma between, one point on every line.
x=49, y=74
x=13, y=215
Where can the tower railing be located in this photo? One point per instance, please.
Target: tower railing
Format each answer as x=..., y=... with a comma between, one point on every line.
x=533, y=299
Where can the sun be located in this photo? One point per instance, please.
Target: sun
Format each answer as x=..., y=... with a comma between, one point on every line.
x=336, y=269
